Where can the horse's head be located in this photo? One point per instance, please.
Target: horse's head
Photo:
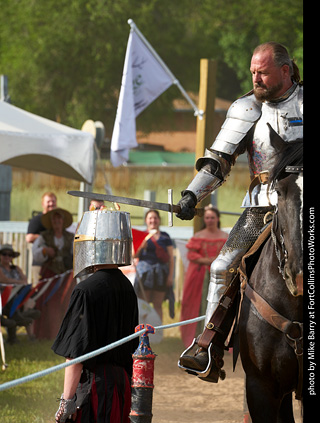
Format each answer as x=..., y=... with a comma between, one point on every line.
x=287, y=179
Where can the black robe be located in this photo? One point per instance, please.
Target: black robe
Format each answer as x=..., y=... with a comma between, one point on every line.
x=102, y=309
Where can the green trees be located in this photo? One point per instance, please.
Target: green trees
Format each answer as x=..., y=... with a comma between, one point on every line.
x=64, y=60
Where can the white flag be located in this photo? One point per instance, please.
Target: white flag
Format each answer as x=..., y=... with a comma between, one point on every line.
x=143, y=80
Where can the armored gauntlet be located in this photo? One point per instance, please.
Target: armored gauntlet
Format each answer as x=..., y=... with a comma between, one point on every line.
x=187, y=204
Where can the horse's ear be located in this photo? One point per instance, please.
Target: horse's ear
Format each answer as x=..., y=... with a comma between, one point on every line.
x=276, y=141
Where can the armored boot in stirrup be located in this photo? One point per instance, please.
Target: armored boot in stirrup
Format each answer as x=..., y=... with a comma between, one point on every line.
x=207, y=361
x=206, y=364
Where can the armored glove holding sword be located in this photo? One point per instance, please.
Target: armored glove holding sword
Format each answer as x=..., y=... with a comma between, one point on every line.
x=275, y=103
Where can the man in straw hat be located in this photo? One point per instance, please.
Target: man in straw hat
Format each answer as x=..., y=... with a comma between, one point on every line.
x=53, y=249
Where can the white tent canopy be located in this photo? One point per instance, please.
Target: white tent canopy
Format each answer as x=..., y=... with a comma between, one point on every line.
x=35, y=143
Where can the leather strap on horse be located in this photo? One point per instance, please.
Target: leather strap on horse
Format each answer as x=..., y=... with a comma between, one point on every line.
x=213, y=327
x=256, y=246
x=292, y=330
x=269, y=314
x=261, y=178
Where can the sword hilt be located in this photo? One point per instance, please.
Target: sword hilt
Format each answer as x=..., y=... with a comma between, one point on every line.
x=198, y=212
x=177, y=209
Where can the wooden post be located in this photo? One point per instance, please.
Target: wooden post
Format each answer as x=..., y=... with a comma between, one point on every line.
x=207, y=96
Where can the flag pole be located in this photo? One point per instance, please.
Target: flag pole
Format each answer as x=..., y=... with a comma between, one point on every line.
x=175, y=81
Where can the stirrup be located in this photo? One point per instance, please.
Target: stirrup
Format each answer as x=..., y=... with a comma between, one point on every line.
x=199, y=373
x=206, y=373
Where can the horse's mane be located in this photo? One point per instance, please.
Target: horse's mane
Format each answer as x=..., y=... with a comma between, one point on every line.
x=291, y=155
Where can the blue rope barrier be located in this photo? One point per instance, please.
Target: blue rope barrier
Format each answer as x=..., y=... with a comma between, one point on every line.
x=42, y=373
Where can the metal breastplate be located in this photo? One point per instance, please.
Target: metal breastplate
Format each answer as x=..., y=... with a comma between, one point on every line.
x=286, y=118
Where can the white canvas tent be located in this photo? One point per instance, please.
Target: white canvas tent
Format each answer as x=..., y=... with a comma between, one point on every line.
x=35, y=143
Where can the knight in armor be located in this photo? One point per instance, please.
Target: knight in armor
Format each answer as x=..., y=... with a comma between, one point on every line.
x=103, y=309
x=276, y=101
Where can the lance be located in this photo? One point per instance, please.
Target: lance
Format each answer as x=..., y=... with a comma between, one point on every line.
x=169, y=207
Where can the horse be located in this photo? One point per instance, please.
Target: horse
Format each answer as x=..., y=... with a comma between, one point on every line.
x=270, y=323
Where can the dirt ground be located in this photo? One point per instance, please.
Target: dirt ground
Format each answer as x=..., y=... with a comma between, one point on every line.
x=182, y=398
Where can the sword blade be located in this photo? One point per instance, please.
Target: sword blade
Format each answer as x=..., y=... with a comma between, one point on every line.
x=130, y=201
x=126, y=200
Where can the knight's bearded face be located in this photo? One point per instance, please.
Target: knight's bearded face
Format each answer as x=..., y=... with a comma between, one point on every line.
x=266, y=93
x=268, y=80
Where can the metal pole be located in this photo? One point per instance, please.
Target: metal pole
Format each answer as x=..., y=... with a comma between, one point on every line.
x=4, y=96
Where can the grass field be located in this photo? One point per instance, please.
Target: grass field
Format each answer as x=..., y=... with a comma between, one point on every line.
x=33, y=401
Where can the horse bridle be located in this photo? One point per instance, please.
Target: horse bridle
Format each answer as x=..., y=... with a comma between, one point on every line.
x=280, y=248
x=294, y=169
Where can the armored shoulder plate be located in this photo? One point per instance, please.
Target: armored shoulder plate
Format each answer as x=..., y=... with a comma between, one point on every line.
x=246, y=108
x=241, y=116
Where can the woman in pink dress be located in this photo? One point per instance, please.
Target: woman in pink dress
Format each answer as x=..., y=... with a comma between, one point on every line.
x=203, y=248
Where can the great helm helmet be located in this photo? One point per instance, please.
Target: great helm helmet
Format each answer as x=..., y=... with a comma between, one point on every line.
x=102, y=237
